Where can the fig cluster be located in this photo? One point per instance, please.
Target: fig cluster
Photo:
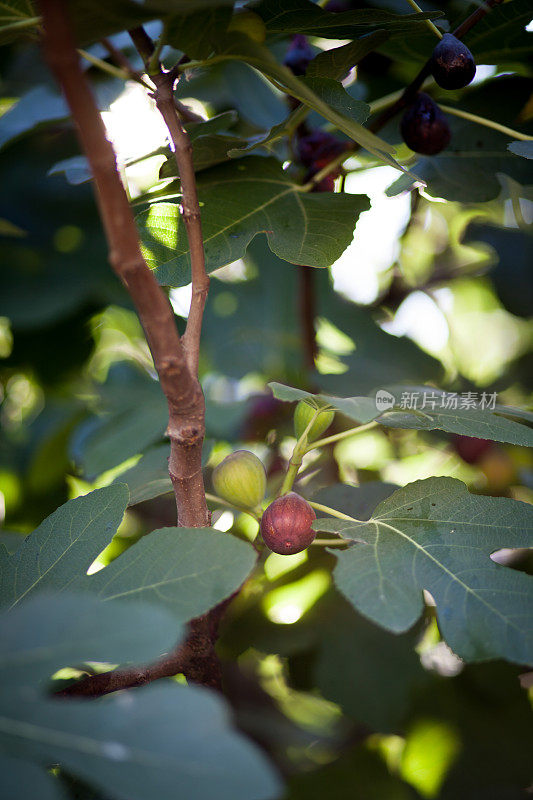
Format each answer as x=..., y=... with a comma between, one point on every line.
x=286, y=525
x=424, y=127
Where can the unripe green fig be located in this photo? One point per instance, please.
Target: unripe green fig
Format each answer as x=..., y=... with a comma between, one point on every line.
x=240, y=479
x=303, y=416
x=452, y=63
x=424, y=127
x=286, y=525
x=250, y=23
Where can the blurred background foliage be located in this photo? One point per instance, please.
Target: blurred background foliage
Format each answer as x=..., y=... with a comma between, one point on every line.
x=435, y=288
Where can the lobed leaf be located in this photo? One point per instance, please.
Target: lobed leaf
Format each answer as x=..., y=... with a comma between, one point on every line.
x=240, y=200
x=433, y=534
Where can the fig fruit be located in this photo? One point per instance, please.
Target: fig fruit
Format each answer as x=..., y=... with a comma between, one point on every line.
x=303, y=416
x=318, y=148
x=452, y=63
x=286, y=525
x=240, y=479
x=299, y=54
x=471, y=449
x=424, y=127
x=250, y=23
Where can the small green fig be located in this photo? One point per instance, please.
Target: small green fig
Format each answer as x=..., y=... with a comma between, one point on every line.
x=452, y=63
x=303, y=416
x=240, y=479
x=250, y=23
x=286, y=525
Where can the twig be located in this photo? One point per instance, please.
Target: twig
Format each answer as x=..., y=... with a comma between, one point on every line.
x=190, y=206
x=195, y=658
x=186, y=425
x=433, y=28
x=120, y=59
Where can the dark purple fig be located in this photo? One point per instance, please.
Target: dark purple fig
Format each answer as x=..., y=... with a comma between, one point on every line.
x=424, y=127
x=299, y=54
x=318, y=148
x=286, y=525
x=452, y=63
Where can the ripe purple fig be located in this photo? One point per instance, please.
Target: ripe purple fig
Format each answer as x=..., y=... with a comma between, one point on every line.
x=299, y=54
x=424, y=127
x=318, y=148
x=240, y=479
x=286, y=525
x=452, y=63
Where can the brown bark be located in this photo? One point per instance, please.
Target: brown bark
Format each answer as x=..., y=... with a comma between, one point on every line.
x=179, y=383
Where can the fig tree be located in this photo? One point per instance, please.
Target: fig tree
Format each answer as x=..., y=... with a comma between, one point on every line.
x=240, y=479
x=303, y=416
x=452, y=63
x=286, y=525
x=424, y=127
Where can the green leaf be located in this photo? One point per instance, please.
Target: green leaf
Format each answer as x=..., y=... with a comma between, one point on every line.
x=454, y=413
x=303, y=16
x=335, y=95
x=187, y=570
x=369, y=672
x=434, y=535
x=21, y=779
x=137, y=747
x=54, y=630
x=63, y=546
x=149, y=478
x=243, y=49
x=521, y=148
x=335, y=63
x=501, y=35
x=240, y=200
x=197, y=33
x=359, y=409
x=356, y=501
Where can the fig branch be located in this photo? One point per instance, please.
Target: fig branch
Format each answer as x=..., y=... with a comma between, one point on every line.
x=172, y=361
x=190, y=207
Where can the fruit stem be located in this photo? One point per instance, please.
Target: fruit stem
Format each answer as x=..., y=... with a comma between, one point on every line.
x=336, y=437
x=334, y=513
x=488, y=123
x=214, y=499
x=300, y=449
x=329, y=542
x=428, y=22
